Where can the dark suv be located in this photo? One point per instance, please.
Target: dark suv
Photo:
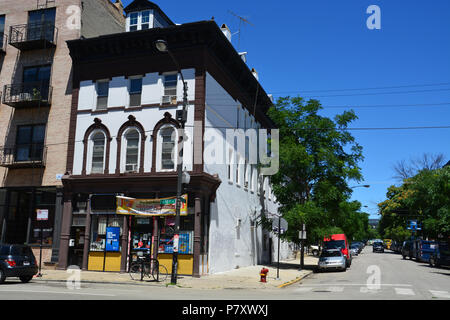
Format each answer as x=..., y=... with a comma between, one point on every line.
x=17, y=261
x=441, y=255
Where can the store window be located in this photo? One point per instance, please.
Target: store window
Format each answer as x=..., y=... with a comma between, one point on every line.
x=186, y=238
x=103, y=236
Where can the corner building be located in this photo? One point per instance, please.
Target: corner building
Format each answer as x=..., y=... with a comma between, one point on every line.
x=123, y=141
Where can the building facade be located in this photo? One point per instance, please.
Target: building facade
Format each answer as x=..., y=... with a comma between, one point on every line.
x=123, y=142
x=36, y=82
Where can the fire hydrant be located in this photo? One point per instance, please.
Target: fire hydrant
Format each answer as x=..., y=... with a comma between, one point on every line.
x=263, y=273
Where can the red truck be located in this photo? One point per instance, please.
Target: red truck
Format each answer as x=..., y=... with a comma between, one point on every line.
x=340, y=241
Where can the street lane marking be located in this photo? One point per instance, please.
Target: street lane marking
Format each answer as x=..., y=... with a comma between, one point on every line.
x=335, y=289
x=303, y=289
x=60, y=292
x=404, y=291
x=440, y=294
x=369, y=290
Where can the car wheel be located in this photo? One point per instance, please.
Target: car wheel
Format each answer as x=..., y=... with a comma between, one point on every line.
x=26, y=279
x=2, y=276
x=432, y=262
x=315, y=253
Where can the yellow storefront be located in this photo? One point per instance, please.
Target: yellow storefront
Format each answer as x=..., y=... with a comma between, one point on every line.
x=154, y=232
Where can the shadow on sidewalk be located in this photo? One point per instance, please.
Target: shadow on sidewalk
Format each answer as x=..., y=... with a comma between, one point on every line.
x=292, y=266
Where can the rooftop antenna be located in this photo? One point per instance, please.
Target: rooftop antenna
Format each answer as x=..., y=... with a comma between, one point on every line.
x=241, y=20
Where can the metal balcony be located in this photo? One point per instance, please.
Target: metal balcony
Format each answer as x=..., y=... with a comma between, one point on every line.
x=3, y=43
x=27, y=95
x=23, y=156
x=33, y=36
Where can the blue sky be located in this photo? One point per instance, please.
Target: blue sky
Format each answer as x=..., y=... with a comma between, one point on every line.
x=303, y=46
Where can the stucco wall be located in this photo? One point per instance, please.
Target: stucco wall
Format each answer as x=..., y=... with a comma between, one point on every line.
x=152, y=91
x=234, y=240
x=101, y=17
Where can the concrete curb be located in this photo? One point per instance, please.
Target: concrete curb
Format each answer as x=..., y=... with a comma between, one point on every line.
x=294, y=281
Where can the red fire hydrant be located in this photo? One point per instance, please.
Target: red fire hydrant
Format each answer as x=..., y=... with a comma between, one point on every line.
x=263, y=273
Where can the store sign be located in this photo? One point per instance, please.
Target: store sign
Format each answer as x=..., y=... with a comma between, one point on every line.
x=42, y=214
x=150, y=207
x=112, y=238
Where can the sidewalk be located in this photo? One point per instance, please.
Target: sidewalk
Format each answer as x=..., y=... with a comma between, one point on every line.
x=242, y=278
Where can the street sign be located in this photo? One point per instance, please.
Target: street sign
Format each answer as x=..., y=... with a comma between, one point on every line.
x=42, y=214
x=283, y=225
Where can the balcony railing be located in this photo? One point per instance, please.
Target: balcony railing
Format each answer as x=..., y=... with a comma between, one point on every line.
x=3, y=43
x=23, y=156
x=28, y=94
x=33, y=36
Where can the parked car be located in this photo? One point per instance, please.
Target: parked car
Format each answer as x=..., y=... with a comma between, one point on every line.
x=378, y=247
x=354, y=248
x=396, y=246
x=360, y=246
x=425, y=249
x=441, y=254
x=409, y=249
x=332, y=259
x=339, y=241
x=17, y=261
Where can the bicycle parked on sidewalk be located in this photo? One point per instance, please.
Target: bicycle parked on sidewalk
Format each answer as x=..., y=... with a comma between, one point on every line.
x=147, y=267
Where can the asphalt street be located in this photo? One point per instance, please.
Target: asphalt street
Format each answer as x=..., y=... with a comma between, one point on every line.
x=372, y=276
x=376, y=276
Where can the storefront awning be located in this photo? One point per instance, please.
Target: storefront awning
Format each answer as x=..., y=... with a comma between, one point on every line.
x=150, y=207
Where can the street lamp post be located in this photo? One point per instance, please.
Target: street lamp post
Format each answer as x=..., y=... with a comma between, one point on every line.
x=161, y=45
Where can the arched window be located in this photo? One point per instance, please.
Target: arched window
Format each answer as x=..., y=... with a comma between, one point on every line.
x=132, y=151
x=98, y=152
x=167, y=136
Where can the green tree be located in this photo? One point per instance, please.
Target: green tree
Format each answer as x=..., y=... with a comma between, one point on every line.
x=425, y=197
x=318, y=156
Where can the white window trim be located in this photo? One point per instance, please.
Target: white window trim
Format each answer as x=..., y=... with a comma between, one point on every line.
x=123, y=150
x=159, y=149
x=90, y=151
x=163, y=80
x=139, y=20
x=129, y=87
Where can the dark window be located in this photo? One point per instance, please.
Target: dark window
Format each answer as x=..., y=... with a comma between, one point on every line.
x=330, y=254
x=145, y=20
x=21, y=251
x=2, y=30
x=334, y=244
x=102, y=94
x=30, y=142
x=37, y=81
x=135, y=92
x=41, y=24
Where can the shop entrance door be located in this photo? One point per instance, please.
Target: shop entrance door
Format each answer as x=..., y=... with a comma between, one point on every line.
x=76, y=246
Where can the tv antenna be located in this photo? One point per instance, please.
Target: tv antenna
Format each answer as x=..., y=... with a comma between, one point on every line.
x=242, y=20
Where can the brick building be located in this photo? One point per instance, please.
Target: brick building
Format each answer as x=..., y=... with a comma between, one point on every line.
x=36, y=83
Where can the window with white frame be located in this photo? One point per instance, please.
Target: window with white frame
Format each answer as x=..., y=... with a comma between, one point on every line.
x=238, y=165
x=168, y=143
x=98, y=152
x=145, y=20
x=102, y=88
x=134, y=21
x=251, y=178
x=132, y=151
x=170, y=88
x=246, y=165
x=135, y=91
x=139, y=20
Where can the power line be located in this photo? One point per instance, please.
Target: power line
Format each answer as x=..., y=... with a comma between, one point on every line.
x=372, y=88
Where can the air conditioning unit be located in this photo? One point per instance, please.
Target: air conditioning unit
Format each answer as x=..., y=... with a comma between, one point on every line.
x=169, y=99
x=131, y=167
